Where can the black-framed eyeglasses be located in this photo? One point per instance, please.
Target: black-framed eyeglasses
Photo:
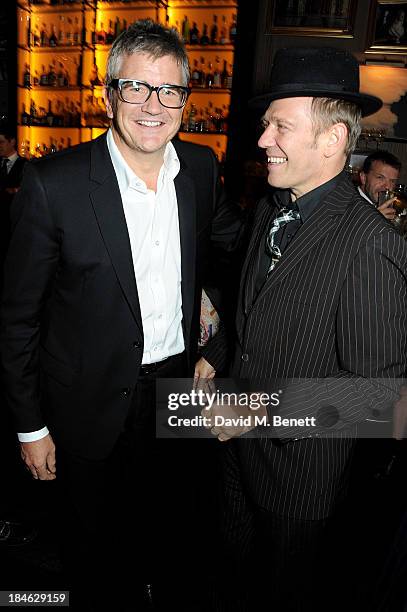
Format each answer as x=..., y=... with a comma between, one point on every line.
x=138, y=92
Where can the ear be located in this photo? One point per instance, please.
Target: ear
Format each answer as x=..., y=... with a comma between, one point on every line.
x=336, y=140
x=107, y=92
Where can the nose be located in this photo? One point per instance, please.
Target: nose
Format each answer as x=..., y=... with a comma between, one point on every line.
x=389, y=184
x=267, y=139
x=152, y=105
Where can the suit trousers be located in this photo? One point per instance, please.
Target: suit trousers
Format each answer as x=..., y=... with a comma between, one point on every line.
x=116, y=509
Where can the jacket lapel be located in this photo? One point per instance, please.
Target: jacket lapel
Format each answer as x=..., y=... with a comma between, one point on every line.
x=324, y=218
x=186, y=200
x=107, y=205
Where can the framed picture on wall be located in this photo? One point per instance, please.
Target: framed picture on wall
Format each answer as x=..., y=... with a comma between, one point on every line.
x=311, y=17
x=387, y=31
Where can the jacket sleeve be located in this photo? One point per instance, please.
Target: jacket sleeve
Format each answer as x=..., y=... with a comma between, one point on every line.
x=30, y=269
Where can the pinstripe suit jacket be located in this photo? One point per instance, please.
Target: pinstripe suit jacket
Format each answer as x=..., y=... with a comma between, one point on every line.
x=334, y=306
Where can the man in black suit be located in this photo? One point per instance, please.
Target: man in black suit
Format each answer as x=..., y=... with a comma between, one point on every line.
x=323, y=300
x=102, y=295
x=11, y=174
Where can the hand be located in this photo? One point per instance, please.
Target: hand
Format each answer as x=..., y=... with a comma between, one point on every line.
x=11, y=190
x=203, y=372
x=387, y=210
x=39, y=457
x=230, y=421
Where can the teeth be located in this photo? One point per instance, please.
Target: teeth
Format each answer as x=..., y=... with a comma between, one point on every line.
x=150, y=123
x=276, y=160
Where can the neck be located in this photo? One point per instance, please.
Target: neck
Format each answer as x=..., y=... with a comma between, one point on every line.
x=146, y=166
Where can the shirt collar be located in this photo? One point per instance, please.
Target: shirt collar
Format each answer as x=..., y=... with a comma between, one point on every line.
x=364, y=195
x=12, y=158
x=307, y=203
x=129, y=179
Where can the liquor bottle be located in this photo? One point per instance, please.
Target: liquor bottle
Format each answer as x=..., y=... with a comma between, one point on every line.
x=192, y=118
x=110, y=33
x=69, y=32
x=33, y=113
x=229, y=82
x=28, y=32
x=210, y=76
x=94, y=37
x=76, y=39
x=117, y=29
x=53, y=40
x=101, y=35
x=66, y=78
x=52, y=76
x=36, y=37
x=44, y=36
x=223, y=32
x=225, y=75
x=52, y=146
x=196, y=75
x=94, y=76
x=205, y=37
x=216, y=75
x=185, y=29
x=61, y=30
x=36, y=79
x=44, y=77
x=233, y=29
x=202, y=82
x=27, y=76
x=194, y=34
x=50, y=114
x=214, y=31
x=60, y=76
x=25, y=117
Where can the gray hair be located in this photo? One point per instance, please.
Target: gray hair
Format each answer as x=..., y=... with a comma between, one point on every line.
x=146, y=36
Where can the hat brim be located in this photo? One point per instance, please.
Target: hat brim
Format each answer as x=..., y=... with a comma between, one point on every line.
x=368, y=104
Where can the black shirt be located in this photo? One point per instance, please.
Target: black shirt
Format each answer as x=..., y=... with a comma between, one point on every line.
x=306, y=205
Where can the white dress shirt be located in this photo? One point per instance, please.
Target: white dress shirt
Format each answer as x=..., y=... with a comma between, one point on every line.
x=153, y=227
x=362, y=193
x=11, y=161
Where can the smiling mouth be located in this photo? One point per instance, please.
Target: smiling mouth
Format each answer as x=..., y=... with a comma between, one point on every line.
x=146, y=123
x=276, y=160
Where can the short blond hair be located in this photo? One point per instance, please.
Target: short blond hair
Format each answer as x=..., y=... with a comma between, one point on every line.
x=325, y=112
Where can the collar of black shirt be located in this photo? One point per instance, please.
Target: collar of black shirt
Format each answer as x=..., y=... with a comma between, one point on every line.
x=307, y=203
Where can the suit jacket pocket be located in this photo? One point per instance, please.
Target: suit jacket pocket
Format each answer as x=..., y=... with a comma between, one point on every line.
x=53, y=367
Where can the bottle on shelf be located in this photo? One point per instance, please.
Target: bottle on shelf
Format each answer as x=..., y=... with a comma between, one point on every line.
x=117, y=27
x=110, y=33
x=101, y=35
x=52, y=76
x=36, y=78
x=202, y=82
x=185, y=29
x=224, y=40
x=25, y=117
x=229, y=81
x=214, y=31
x=50, y=114
x=94, y=78
x=205, y=37
x=61, y=30
x=194, y=34
x=224, y=75
x=28, y=31
x=33, y=113
x=210, y=76
x=27, y=76
x=233, y=29
x=53, y=39
x=94, y=37
x=44, y=40
x=76, y=38
x=36, y=37
x=69, y=33
x=44, y=77
x=217, y=81
x=79, y=71
x=196, y=75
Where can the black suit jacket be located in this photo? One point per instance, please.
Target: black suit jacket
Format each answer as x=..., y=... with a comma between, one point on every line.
x=72, y=336
x=335, y=306
x=13, y=179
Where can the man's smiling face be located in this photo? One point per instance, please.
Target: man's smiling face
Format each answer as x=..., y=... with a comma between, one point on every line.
x=148, y=127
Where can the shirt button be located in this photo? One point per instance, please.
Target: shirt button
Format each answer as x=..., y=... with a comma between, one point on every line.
x=157, y=243
x=137, y=344
x=245, y=357
x=156, y=348
x=160, y=316
x=125, y=392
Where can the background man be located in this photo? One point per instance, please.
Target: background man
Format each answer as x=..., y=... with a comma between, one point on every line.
x=323, y=299
x=381, y=171
x=102, y=295
x=11, y=174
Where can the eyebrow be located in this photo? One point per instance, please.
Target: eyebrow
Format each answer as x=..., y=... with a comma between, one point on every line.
x=277, y=119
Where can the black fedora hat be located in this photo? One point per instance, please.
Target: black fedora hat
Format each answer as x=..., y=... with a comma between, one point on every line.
x=322, y=72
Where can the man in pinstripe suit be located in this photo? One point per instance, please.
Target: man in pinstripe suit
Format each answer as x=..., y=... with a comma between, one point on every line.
x=323, y=299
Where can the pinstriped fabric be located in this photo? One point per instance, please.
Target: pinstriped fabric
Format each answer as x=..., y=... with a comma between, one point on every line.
x=335, y=304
